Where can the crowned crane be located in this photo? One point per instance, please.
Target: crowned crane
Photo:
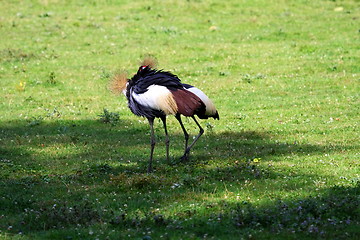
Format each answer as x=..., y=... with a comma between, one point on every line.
x=153, y=93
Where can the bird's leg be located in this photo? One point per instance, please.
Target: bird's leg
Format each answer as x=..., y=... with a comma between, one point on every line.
x=167, y=141
x=186, y=135
x=187, y=150
x=152, y=142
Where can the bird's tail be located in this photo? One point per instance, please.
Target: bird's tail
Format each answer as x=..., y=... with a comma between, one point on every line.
x=118, y=83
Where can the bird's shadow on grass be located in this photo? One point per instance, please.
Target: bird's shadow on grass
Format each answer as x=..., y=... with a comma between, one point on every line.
x=128, y=145
x=65, y=162
x=125, y=147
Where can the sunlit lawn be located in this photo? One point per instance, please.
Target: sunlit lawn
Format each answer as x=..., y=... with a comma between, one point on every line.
x=281, y=163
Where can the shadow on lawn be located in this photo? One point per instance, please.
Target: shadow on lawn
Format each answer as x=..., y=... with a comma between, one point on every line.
x=69, y=164
x=89, y=146
x=92, y=148
x=94, y=141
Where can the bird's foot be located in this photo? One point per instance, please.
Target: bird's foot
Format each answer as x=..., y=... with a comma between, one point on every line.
x=184, y=158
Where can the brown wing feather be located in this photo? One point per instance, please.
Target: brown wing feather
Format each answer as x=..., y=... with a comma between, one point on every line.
x=187, y=103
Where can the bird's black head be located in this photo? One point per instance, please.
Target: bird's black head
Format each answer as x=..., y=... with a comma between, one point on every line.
x=142, y=72
x=147, y=67
x=147, y=64
x=141, y=68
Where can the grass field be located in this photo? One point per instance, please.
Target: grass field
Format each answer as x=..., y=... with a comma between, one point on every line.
x=283, y=162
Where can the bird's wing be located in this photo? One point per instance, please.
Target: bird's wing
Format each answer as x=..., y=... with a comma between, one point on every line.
x=159, y=78
x=187, y=102
x=210, y=110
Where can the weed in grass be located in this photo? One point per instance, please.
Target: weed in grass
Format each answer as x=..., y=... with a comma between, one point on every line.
x=105, y=74
x=249, y=78
x=16, y=55
x=109, y=117
x=21, y=86
x=52, y=78
x=55, y=113
x=35, y=121
x=46, y=15
x=209, y=127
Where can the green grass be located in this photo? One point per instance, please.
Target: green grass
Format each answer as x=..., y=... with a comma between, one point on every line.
x=282, y=162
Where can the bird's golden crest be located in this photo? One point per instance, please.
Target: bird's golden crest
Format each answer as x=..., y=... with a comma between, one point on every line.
x=149, y=61
x=118, y=83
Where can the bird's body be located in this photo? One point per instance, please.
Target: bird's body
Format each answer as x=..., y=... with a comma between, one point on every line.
x=155, y=93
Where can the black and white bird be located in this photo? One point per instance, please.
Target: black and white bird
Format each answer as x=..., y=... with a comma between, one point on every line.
x=153, y=93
